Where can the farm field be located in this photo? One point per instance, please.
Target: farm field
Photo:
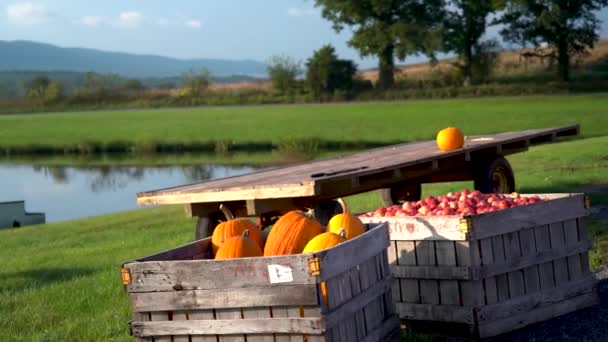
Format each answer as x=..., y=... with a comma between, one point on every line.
x=62, y=282
x=510, y=64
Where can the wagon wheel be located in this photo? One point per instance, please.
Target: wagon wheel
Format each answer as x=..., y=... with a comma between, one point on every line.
x=206, y=224
x=325, y=210
x=494, y=177
x=401, y=192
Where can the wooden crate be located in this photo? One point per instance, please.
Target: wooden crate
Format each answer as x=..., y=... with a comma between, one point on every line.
x=493, y=272
x=178, y=295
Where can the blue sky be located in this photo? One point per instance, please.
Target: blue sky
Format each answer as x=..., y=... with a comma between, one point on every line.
x=231, y=29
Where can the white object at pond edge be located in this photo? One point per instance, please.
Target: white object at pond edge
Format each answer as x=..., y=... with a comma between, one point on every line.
x=280, y=274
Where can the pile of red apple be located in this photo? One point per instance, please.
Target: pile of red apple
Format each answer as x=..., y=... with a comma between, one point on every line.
x=456, y=203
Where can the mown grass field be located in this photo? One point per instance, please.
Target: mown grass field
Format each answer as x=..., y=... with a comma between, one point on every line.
x=61, y=281
x=369, y=122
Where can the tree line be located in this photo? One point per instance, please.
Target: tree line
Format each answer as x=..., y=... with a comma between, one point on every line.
x=393, y=30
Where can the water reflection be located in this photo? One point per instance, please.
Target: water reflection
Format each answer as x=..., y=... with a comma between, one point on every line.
x=67, y=192
x=113, y=178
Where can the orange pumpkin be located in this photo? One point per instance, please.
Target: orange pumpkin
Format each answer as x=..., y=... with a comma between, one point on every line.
x=351, y=224
x=234, y=227
x=450, y=138
x=239, y=247
x=291, y=233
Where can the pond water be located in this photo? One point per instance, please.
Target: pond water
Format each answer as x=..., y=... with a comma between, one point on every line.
x=71, y=192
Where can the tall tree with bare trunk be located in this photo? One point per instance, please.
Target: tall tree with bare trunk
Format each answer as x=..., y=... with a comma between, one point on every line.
x=569, y=26
x=388, y=29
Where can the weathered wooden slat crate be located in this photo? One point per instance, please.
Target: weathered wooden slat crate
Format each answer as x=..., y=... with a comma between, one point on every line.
x=178, y=295
x=494, y=272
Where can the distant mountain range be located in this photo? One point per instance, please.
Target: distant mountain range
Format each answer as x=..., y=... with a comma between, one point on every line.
x=25, y=55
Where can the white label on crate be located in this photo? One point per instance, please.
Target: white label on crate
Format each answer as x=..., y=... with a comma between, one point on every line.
x=280, y=274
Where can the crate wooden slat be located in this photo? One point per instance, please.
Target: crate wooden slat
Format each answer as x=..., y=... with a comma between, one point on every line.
x=494, y=272
x=181, y=295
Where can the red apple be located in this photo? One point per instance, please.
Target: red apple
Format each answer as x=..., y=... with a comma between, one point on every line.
x=431, y=201
x=407, y=206
x=471, y=202
x=462, y=205
x=503, y=204
x=447, y=211
x=424, y=210
x=380, y=212
x=476, y=194
x=468, y=211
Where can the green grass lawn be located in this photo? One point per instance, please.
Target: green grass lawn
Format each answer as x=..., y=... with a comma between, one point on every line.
x=370, y=122
x=61, y=281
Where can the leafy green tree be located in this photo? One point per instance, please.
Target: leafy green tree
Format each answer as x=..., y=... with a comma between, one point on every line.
x=465, y=24
x=388, y=28
x=134, y=85
x=326, y=73
x=54, y=92
x=196, y=83
x=37, y=87
x=44, y=90
x=283, y=71
x=95, y=84
x=569, y=26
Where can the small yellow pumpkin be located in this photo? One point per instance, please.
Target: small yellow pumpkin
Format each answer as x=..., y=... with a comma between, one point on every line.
x=291, y=233
x=450, y=138
x=239, y=247
x=351, y=224
x=234, y=227
x=324, y=241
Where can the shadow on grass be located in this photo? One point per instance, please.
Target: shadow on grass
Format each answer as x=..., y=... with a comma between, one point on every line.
x=39, y=278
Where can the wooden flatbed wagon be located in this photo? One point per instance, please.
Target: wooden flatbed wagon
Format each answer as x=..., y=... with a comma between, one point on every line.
x=398, y=170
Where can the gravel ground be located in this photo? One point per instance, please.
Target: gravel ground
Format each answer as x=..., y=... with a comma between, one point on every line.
x=587, y=325
x=584, y=325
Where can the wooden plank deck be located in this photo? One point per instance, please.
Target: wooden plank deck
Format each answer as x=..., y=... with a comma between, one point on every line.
x=360, y=172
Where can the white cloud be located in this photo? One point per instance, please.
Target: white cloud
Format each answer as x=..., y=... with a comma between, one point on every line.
x=27, y=13
x=300, y=12
x=195, y=24
x=90, y=20
x=130, y=19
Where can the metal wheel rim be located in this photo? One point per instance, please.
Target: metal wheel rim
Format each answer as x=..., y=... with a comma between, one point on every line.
x=500, y=182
